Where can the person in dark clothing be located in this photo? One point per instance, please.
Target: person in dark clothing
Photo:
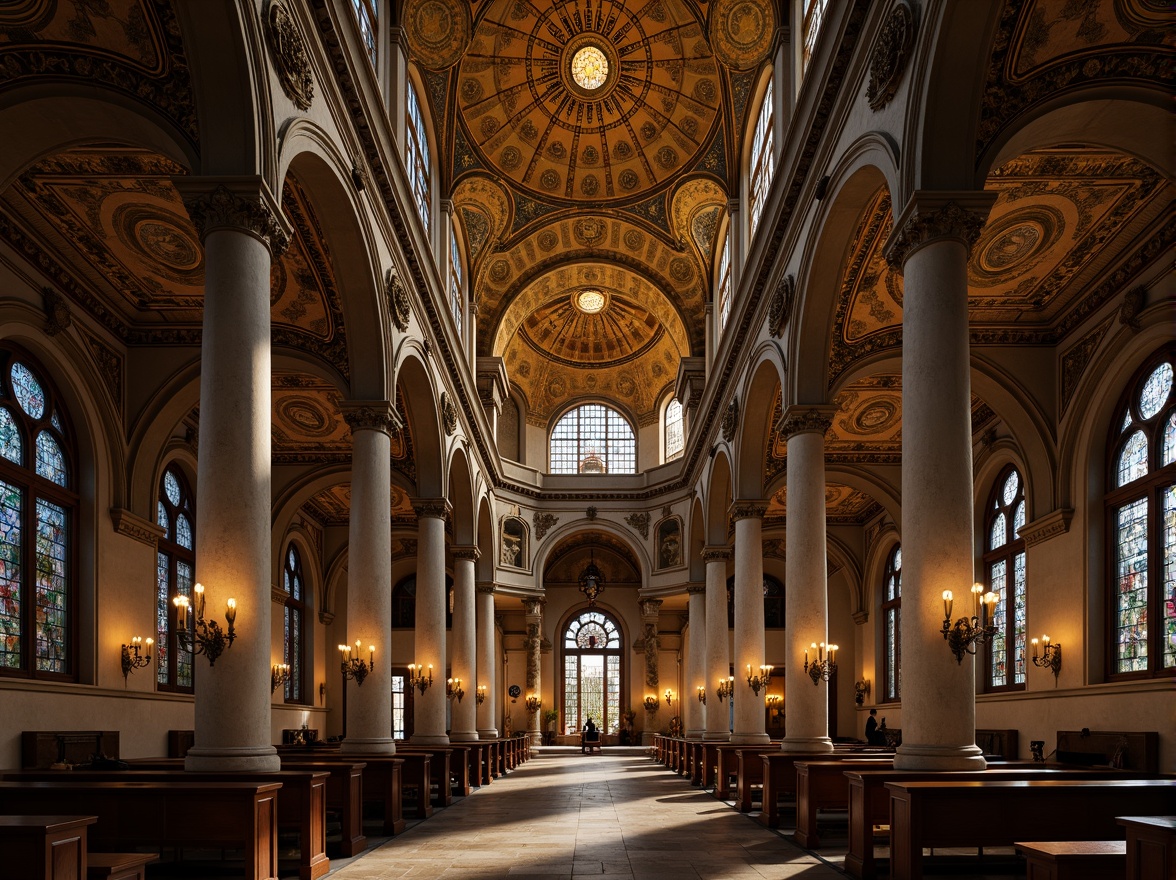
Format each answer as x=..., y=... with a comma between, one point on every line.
x=873, y=736
x=590, y=727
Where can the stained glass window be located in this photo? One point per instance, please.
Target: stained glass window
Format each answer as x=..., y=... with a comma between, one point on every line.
x=50, y=461
x=1141, y=521
x=11, y=446
x=763, y=157
x=11, y=554
x=293, y=582
x=1004, y=562
x=593, y=439
x=418, y=156
x=675, y=439
x=892, y=624
x=592, y=672
x=27, y=391
x=723, y=287
x=175, y=571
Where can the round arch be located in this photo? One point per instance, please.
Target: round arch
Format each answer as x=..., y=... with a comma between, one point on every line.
x=415, y=384
x=592, y=653
x=755, y=422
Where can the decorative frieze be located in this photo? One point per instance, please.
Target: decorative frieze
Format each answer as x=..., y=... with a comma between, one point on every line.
x=57, y=312
x=448, y=414
x=715, y=553
x=640, y=522
x=287, y=48
x=1045, y=527
x=543, y=522
x=890, y=54
x=748, y=510
x=438, y=508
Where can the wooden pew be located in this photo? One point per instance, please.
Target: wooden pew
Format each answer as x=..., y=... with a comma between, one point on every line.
x=440, y=767
x=302, y=801
x=779, y=774
x=989, y=812
x=1151, y=846
x=118, y=866
x=44, y=847
x=750, y=773
x=821, y=785
x=375, y=779
x=477, y=770
x=1074, y=859
x=418, y=776
x=228, y=815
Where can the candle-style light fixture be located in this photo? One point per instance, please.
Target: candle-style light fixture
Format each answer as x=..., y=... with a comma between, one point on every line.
x=355, y=667
x=861, y=689
x=453, y=689
x=197, y=633
x=591, y=580
x=669, y=695
x=481, y=694
x=967, y=634
x=133, y=656
x=650, y=703
x=279, y=675
x=1051, y=657
x=417, y=679
x=533, y=703
x=822, y=668
x=758, y=682
x=773, y=702
x=702, y=695
x=726, y=687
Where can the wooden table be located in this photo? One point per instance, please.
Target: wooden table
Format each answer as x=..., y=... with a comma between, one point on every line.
x=1074, y=859
x=1151, y=846
x=44, y=847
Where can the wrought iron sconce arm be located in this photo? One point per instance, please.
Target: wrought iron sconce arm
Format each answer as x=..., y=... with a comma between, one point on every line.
x=726, y=688
x=651, y=703
x=453, y=689
x=1051, y=658
x=199, y=634
x=534, y=703
x=355, y=667
x=702, y=695
x=417, y=679
x=967, y=634
x=821, y=668
x=133, y=656
x=279, y=675
x=480, y=695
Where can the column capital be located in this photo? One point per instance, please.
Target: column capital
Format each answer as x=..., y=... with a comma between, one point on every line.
x=930, y=216
x=244, y=204
x=650, y=608
x=438, y=508
x=806, y=419
x=534, y=606
x=370, y=415
x=749, y=509
x=696, y=589
x=465, y=551
x=716, y=553
x=485, y=587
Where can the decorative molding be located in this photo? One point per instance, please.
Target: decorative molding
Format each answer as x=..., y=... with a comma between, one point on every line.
x=806, y=420
x=133, y=526
x=225, y=209
x=861, y=617
x=278, y=596
x=730, y=420
x=715, y=553
x=371, y=416
x=591, y=512
x=533, y=607
x=640, y=522
x=287, y=48
x=467, y=551
x=1133, y=301
x=650, y=608
x=890, y=54
x=694, y=589
x=448, y=414
x=543, y=522
x=487, y=588
x=780, y=308
x=1045, y=527
x=928, y=218
x=438, y=508
x=326, y=618
x=748, y=509
x=57, y=311
x=399, y=306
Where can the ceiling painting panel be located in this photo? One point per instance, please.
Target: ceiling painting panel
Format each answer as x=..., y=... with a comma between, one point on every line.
x=843, y=506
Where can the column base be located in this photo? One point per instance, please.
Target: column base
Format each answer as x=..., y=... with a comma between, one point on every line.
x=717, y=736
x=534, y=738
x=751, y=739
x=381, y=745
x=647, y=737
x=462, y=736
x=695, y=734
x=429, y=739
x=253, y=759
x=917, y=757
x=492, y=733
x=808, y=744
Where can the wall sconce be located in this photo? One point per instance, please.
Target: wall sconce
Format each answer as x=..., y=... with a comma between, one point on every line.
x=133, y=658
x=669, y=695
x=354, y=667
x=967, y=634
x=1051, y=658
x=756, y=682
x=203, y=636
x=481, y=695
x=453, y=689
x=533, y=703
x=823, y=667
x=702, y=695
x=651, y=704
x=416, y=678
x=726, y=687
x=773, y=701
x=861, y=690
x=279, y=675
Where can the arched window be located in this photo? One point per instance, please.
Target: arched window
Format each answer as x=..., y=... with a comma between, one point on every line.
x=723, y=289
x=1004, y=567
x=418, y=156
x=367, y=16
x=593, y=439
x=1141, y=521
x=814, y=14
x=892, y=626
x=38, y=510
x=675, y=439
x=592, y=672
x=456, y=300
x=175, y=573
x=763, y=157
x=294, y=624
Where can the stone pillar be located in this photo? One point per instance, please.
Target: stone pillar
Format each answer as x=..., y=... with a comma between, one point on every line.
x=718, y=642
x=369, y=576
x=806, y=600
x=240, y=224
x=464, y=711
x=930, y=243
x=650, y=608
x=487, y=667
x=694, y=716
x=429, y=707
x=534, y=646
x=749, y=620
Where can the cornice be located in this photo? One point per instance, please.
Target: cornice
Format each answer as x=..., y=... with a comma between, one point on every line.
x=1045, y=527
x=133, y=526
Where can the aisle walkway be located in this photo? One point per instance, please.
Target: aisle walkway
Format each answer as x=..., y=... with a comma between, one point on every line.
x=571, y=816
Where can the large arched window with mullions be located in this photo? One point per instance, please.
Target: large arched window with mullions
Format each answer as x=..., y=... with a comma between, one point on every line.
x=294, y=624
x=593, y=439
x=763, y=158
x=417, y=158
x=175, y=574
x=892, y=626
x=592, y=652
x=1141, y=524
x=38, y=516
x=1004, y=566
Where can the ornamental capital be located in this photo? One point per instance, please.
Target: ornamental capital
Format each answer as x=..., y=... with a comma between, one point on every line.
x=487, y=588
x=243, y=205
x=438, y=508
x=934, y=216
x=533, y=606
x=695, y=589
x=802, y=419
x=748, y=509
x=370, y=415
x=716, y=552
x=465, y=551
x=650, y=608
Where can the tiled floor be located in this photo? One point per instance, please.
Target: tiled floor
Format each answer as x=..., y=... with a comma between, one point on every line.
x=566, y=815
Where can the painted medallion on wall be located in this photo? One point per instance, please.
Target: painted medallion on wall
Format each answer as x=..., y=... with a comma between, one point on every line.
x=669, y=543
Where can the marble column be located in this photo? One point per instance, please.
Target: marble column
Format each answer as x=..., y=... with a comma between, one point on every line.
x=694, y=716
x=750, y=723
x=462, y=665
x=718, y=642
x=534, y=646
x=487, y=667
x=429, y=707
x=369, y=576
x=930, y=244
x=651, y=643
x=806, y=599
x=240, y=223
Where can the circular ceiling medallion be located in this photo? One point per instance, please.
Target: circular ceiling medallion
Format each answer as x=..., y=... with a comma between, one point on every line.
x=741, y=31
x=589, y=68
x=438, y=31
x=590, y=301
x=1013, y=244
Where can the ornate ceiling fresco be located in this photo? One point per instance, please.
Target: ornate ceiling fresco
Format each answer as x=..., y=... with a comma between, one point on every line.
x=332, y=507
x=843, y=506
x=612, y=556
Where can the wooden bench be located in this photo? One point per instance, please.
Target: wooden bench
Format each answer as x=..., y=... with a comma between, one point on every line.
x=440, y=781
x=1074, y=859
x=478, y=754
x=1151, y=846
x=821, y=785
x=118, y=866
x=226, y=815
x=41, y=748
x=991, y=812
x=779, y=775
x=44, y=847
x=1120, y=749
x=346, y=788
x=749, y=770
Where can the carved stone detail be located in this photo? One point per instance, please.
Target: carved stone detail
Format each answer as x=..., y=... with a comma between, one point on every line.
x=748, y=510
x=132, y=526
x=326, y=617
x=889, y=57
x=372, y=417
x=223, y=208
x=590, y=512
x=486, y=588
x=712, y=554
x=448, y=414
x=1049, y=526
x=57, y=311
x=730, y=420
x=802, y=420
x=434, y=507
x=1133, y=301
x=780, y=309
x=466, y=552
x=640, y=522
x=533, y=607
x=398, y=305
x=694, y=589
x=950, y=221
x=861, y=617
x=543, y=522
x=288, y=53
